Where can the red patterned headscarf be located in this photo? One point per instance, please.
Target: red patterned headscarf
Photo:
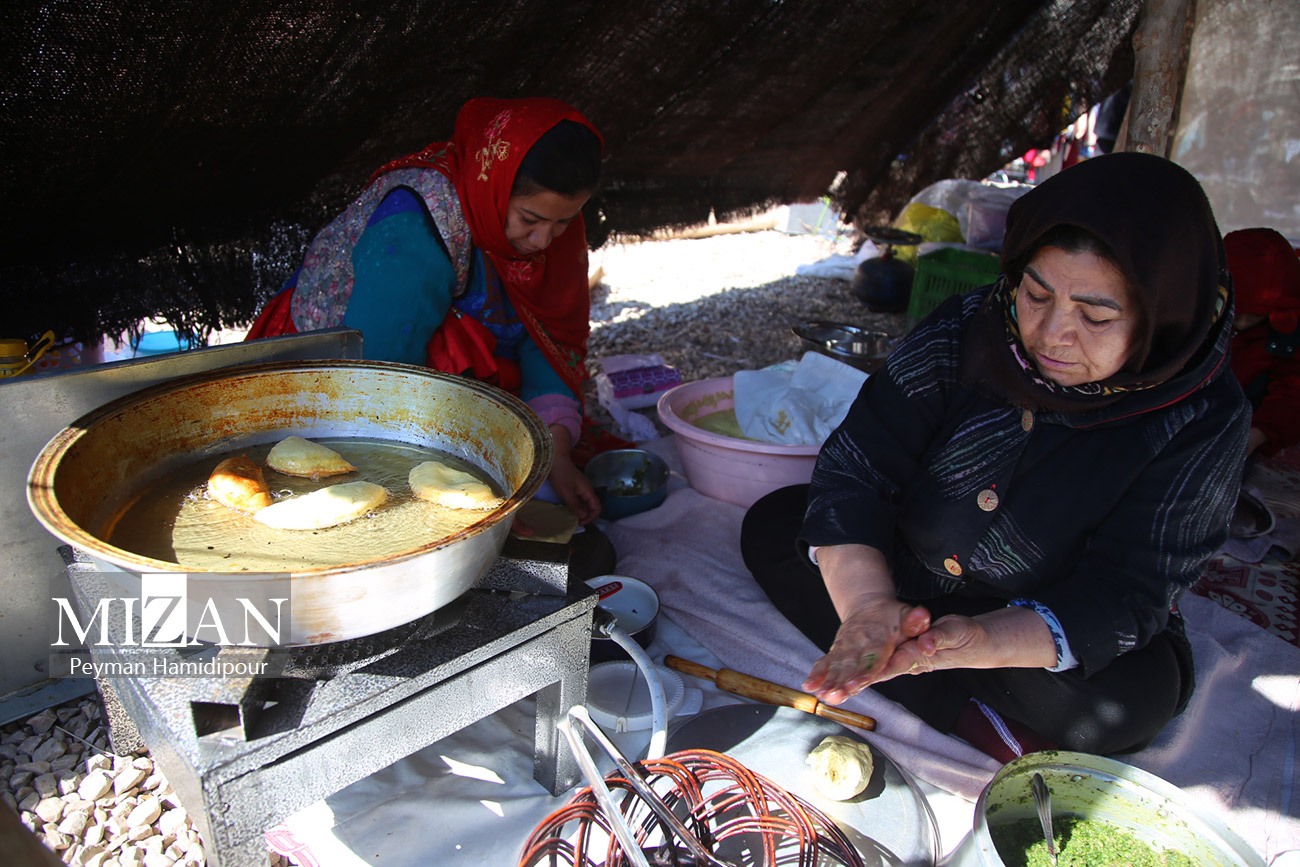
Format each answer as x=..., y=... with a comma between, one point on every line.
x=548, y=289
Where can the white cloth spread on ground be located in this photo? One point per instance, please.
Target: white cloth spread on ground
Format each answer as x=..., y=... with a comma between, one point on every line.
x=471, y=799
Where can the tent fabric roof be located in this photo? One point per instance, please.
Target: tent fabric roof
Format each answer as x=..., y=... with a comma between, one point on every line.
x=173, y=157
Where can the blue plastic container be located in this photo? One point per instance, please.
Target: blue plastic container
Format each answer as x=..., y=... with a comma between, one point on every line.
x=161, y=343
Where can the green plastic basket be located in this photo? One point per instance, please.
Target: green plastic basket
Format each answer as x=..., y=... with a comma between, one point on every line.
x=946, y=272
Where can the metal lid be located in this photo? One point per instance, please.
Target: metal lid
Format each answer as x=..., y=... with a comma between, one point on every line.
x=855, y=346
x=634, y=604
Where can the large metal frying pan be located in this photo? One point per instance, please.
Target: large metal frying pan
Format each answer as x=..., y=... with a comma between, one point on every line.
x=95, y=464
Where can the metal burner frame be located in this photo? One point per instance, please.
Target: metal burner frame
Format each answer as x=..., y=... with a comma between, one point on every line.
x=243, y=755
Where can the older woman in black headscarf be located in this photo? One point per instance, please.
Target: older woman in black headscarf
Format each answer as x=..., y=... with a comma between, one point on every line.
x=1008, y=515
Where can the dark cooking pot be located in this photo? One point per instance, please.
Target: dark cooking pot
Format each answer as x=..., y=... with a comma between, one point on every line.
x=85, y=475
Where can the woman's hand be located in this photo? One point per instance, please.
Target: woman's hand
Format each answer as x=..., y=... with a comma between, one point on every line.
x=951, y=642
x=570, y=482
x=872, y=620
x=574, y=489
x=865, y=647
x=1003, y=638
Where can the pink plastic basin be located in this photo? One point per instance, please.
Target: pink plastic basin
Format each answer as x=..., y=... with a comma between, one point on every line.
x=726, y=468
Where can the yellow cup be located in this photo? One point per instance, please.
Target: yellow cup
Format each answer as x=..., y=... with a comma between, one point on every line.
x=16, y=357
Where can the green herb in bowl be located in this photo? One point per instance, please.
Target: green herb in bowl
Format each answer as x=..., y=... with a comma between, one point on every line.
x=1080, y=842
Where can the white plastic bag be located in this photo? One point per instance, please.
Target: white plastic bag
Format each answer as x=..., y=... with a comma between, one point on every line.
x=984, y=217
x=980, y=208
x=799, y=406
x=836, y=267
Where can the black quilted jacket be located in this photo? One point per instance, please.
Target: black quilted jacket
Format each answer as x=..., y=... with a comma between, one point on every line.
x=1106, y=516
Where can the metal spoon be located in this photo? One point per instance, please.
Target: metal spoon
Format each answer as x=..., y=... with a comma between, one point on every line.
x=1043, y=800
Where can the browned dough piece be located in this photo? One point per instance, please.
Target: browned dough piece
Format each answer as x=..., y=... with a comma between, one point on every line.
x=237, y=483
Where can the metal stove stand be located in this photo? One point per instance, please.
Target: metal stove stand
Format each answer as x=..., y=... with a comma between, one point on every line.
x=242, y=755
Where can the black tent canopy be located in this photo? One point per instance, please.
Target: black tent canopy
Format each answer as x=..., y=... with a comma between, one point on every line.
x=172, y=157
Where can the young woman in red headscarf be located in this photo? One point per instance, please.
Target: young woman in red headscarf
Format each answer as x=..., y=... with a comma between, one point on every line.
x=470, y=257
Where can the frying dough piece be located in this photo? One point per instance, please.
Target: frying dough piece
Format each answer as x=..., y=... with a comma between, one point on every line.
x=447, y=486
x=295, y=456
x=237, y=483
x=841, y=767
x=326, y=507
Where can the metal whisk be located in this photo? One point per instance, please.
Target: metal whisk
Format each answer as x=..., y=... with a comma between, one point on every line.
x=677, y=811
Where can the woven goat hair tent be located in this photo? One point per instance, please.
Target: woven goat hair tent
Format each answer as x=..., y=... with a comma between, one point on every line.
x=172, y=159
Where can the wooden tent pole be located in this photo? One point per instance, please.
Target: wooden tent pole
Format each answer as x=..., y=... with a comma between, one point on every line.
x=1160, y=48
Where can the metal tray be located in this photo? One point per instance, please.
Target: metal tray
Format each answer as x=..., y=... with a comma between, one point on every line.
x=857, y=347
x=890, y=823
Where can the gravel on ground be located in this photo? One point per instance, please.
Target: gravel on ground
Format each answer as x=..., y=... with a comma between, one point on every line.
x=713, y=306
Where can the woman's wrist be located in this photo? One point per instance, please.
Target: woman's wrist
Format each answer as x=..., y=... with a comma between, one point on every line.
x=875, y=606
x=857, y=578
x=1065, y=658
x=1016, y=638
x=563, y=442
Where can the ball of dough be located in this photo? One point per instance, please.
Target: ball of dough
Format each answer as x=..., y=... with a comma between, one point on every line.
x=841, y=767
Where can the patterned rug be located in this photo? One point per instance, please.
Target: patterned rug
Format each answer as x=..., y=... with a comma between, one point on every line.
x=1256, y=579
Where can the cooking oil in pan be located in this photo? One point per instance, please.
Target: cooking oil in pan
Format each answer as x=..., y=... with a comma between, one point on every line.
x=174, y=520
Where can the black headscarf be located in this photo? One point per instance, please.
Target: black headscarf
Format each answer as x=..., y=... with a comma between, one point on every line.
x=1157, y=223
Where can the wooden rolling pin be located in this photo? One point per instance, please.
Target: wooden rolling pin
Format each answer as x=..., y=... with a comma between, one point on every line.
x=772, y=693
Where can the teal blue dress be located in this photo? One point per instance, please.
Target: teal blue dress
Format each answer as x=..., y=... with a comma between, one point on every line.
x=403, y=290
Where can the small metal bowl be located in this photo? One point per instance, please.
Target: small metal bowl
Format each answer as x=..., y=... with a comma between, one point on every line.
x=628, y=481
x=865, y=350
